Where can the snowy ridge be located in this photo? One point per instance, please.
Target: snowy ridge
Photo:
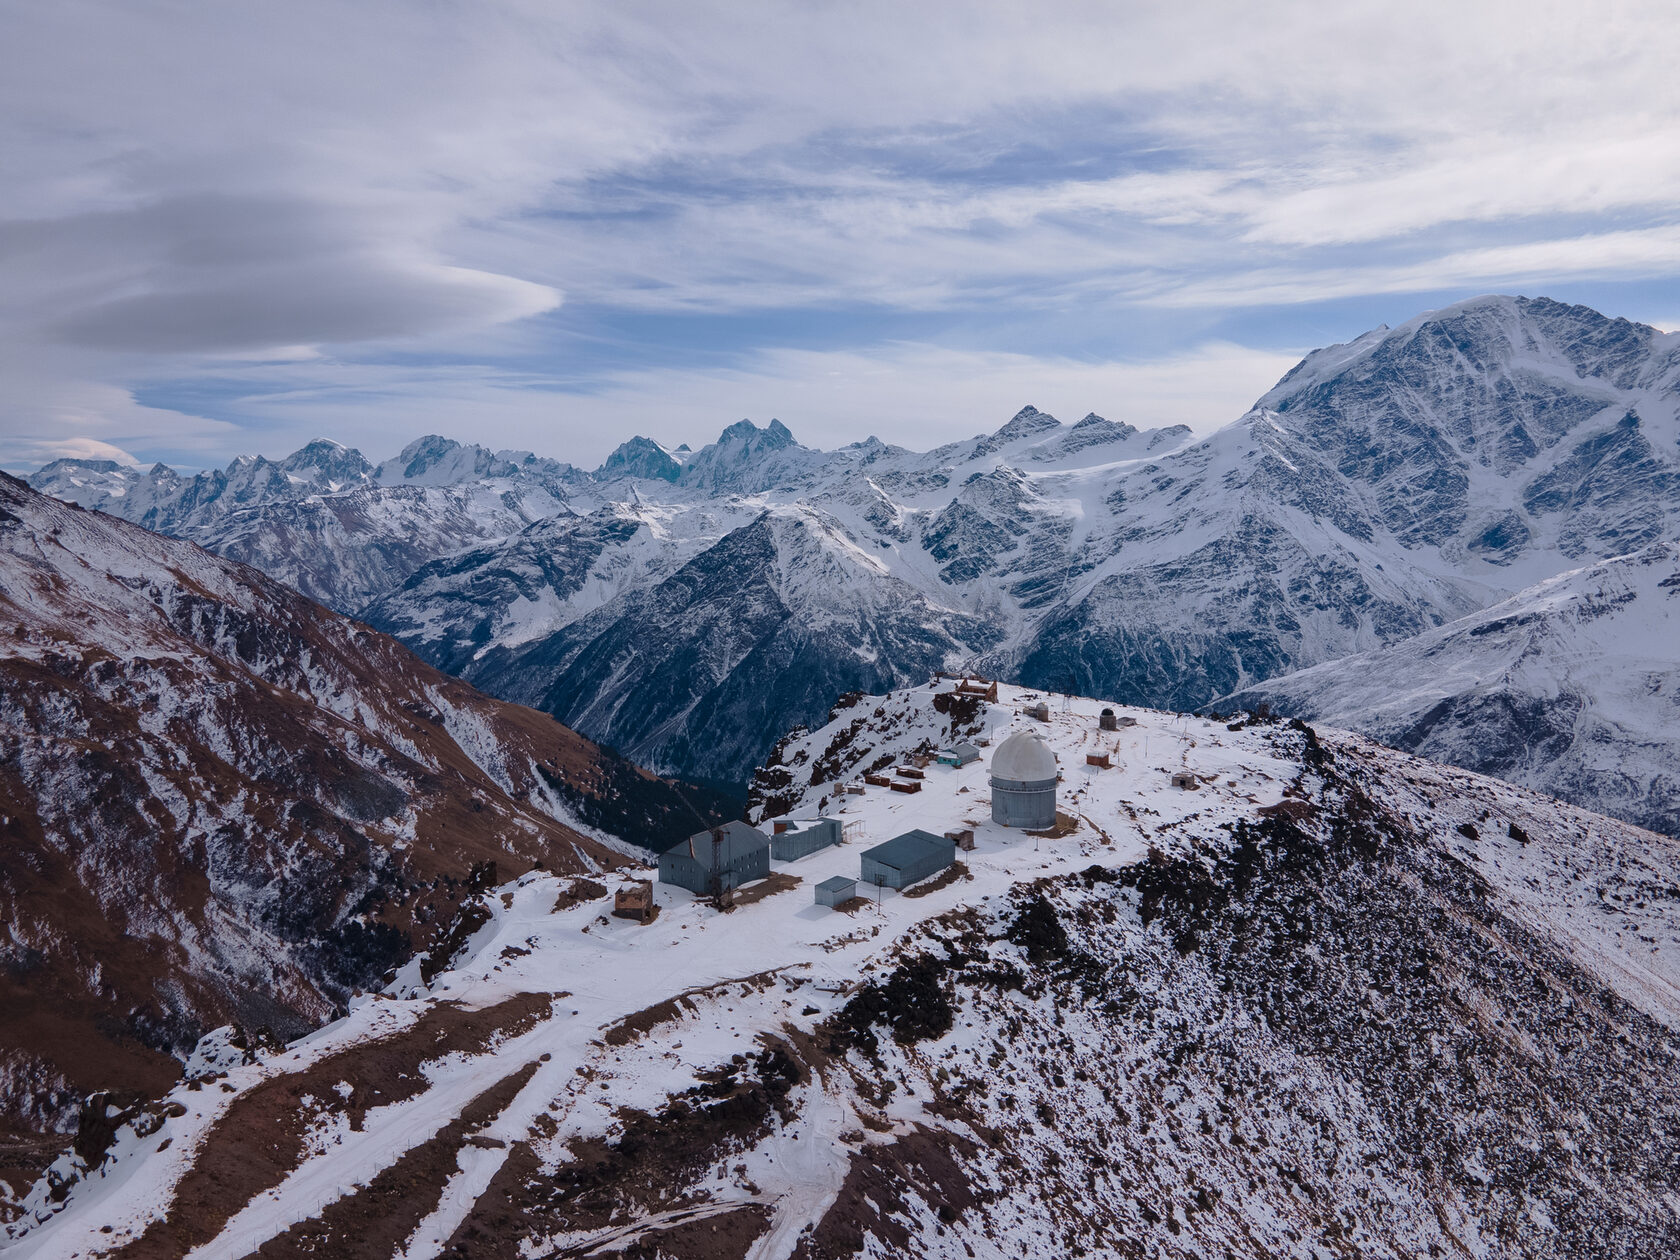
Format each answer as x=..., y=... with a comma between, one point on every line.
x=1571, y=687
x=1199, y=1023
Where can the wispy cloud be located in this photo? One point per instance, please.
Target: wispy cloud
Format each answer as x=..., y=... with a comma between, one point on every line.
x=337, y=183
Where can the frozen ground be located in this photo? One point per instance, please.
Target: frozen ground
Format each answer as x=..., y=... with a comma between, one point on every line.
x=635, y=1016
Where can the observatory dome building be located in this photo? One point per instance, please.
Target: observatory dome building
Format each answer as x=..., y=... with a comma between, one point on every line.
x=1024, y=782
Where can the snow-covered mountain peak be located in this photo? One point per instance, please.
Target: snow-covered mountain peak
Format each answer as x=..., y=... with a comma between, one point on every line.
x=640, y=457
x=328, y=465
x=1025, y=423
x=441, y=461
x=747, y=459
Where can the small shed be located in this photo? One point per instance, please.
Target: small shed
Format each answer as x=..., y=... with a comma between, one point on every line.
x=835, y=890
x=961, y=755
x=906, y=785
x=1099, y=760
x=634, y=901
x=796, y=839
x=907, y=859
x=1184, y=779
x=723, y=858
x=962, y=837
x=910, y=772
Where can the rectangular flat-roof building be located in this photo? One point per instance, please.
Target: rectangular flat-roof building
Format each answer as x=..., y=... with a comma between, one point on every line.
x=961, y=755
x=835, y=890
x=796, y=839
x=740, y=853
x=906, y=859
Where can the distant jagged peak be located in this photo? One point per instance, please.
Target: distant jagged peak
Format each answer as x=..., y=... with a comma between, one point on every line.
x=737, y=453
x=1092, y=420
x=1172, y=433
x=75, y=463
x=439, y=461
x=772, y=437
x=1026, y=422
x=1093, y=426
x=640, y=457
x=419, y=456
x=327, y=461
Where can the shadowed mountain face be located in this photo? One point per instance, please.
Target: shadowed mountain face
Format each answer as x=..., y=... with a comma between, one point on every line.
x=222, y=803
x=1571, y=687
x=1383, y=488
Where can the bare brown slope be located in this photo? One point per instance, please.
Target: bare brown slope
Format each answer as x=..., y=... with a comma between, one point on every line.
x=220, y=802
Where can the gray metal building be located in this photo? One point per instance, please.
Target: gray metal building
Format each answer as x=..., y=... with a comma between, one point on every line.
x=961, y=755
x=741, y=853
x=1024, y=782
x=794, y=840
x=836, y=889
x=906, y=859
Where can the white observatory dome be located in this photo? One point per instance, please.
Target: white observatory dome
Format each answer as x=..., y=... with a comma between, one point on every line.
x=1024, y=758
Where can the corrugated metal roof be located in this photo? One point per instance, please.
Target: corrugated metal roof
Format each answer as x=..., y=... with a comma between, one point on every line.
x=834, y=883
x=739, y=838
x=902, y=850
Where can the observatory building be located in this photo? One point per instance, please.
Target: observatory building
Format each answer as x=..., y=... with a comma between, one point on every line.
x=1024, y=782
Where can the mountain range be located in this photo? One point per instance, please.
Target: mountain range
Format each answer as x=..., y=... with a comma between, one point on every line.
x=687, y=607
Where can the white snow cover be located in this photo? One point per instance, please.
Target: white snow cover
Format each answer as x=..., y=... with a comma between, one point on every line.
x=1571, y=687
x=611, y=968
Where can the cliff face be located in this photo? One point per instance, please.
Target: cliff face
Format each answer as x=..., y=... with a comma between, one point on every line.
x=223, y=803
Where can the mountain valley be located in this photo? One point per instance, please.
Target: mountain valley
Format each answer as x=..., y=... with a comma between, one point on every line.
x=224, y=804
x=687, y=607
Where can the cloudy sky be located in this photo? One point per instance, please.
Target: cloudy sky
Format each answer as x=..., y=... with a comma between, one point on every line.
x=230, y=227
